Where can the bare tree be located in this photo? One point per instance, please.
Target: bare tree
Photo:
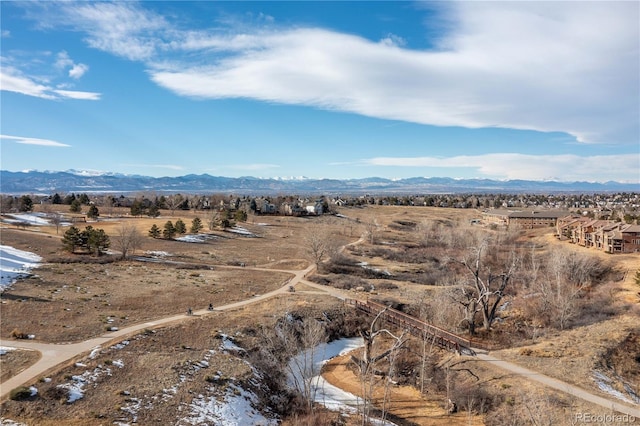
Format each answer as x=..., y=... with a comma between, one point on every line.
x=56, y=219
x=292, y=347
x=485, y=291
x=371, y=231
x=370, y=357
x=214, y=219
x=173, y=202
x=320, y=244
x=568, y=275
x=303, y=366
x=127, y=240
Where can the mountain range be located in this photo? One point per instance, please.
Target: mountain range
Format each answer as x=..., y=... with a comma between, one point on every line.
x=50, y=182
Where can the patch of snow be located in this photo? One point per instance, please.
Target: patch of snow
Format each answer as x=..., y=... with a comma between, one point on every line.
x=5, y=349
x=15, y=263
x=121, y=344
x=241, y=231
x=34, y=390
x=195, y=238
x=306, y=366
x=235, y=409
x=157, y=253
x=37, y=219
x=9, y=422
x=95, y=352
x=47, y=380
x=229, y=345
x=604, y=383
x=118, y=363
x=76, y=388
x=365, y=265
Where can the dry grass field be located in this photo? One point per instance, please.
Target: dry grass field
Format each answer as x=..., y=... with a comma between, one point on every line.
x=172, y=372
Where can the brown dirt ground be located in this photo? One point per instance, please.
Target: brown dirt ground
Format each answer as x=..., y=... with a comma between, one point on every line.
x=406, y=402
x=65, y=302
x=14, y=361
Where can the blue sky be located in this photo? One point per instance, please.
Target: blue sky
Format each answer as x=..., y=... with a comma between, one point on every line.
x=500, y=90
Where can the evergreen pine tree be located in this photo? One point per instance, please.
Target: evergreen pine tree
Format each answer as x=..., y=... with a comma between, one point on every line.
x=71, y=239
x=196, y=225
x=93, y=212
x=180, y=227
x=154, y=232
x=169, y=230
x=76, y=206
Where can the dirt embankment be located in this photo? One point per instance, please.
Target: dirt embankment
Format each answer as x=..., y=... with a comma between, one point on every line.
x=406, y=404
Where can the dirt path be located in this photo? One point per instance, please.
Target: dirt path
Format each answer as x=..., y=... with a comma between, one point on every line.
x=411, y=406
x=560, y=385
x=57, y=355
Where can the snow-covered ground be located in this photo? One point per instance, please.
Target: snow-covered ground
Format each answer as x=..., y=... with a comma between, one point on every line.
x=4, y=350
x=307, y=366
x=197, y=238
x=605, y=384
x=36, y=219
x=241, y=231
x=15, y=263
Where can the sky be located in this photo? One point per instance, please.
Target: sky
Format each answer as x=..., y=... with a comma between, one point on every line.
x=344, y=90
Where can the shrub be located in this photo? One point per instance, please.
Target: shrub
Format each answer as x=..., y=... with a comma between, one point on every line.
x=20, y=393
x=17, y=334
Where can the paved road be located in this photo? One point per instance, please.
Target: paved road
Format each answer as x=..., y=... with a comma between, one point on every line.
x=55, y=355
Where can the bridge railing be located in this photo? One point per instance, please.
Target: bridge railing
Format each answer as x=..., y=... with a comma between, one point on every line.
x=415, y=326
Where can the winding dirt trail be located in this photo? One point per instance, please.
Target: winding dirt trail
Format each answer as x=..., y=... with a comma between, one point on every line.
x=56, y=355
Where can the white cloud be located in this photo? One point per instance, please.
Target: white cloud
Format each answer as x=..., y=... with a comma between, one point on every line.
x=78, y=70
x=63, y=61
x=393, y=40
x=12, y=80
x=34, y=141
x=6, y=33
x=75, y=94
x=121, y=28
x=548, y=66
x=568, y=167
x=570, y=67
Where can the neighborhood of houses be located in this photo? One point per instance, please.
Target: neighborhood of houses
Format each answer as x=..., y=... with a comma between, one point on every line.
x=605, y=235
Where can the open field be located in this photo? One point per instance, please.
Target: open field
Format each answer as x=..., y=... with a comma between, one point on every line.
x=167, y=372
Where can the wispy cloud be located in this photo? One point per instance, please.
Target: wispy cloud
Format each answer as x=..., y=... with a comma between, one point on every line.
x=563, y=66
x=622, y=168
x=34, y=141
x=12, y=80
x=75, y=94
x=76, y=70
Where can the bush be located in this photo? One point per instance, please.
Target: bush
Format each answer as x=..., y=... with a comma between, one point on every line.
x=20, y=393
x=17, y=334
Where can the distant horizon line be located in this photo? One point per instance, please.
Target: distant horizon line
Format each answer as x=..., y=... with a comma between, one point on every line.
x=96, y=173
